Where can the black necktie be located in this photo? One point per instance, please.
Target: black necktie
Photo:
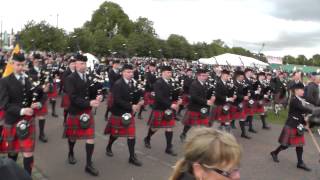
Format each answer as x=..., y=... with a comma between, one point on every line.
x=84, y=77
x=21, y=80
x=130, y=84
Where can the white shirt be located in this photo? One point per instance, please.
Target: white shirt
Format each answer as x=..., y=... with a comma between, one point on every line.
x=18, y=76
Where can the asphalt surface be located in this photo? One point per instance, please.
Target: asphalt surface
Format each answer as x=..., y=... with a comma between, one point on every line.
x=256, y=163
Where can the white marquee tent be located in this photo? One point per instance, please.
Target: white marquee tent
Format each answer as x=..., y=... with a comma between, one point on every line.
x=233, y=60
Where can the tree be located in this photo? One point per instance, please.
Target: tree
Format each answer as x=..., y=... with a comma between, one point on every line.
x=179, y=46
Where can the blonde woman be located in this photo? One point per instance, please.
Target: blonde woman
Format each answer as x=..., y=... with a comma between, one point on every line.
x=209, y=154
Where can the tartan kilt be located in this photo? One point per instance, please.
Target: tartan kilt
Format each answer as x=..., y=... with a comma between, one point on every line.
x=65, y=102
x=9, y=141
x=109, y=100
x=156, y=120
x=54, y=93
x=43, y=111
x=218, y=115
x=235, y=114
x=148, y=99
x=249, y=111
x=259, y=109
x=73, y=130
x=115, y=128
x=289, y=137
x=185, y=99
x=193, y=118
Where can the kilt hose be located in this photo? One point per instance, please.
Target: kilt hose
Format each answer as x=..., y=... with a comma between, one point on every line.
x=290, y=138
x=73, y=130
x=193, y=118
x=156, y=120
x=115, y=127
x=9, y=141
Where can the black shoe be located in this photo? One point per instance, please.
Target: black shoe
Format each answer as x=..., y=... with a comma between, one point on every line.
x=109, y=152
x=171, y=152
x=253, y=131
x=274, y=157
x=54, y=115
x=135, y=161
x=266, y=127
x=245, y=136
x=91, y=170
x=43, y=138
x=303, y=166
x=147, y=143
x=72, y=159
x=182, y=137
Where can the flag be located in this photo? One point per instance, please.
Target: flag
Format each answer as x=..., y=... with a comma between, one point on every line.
x=9, y=67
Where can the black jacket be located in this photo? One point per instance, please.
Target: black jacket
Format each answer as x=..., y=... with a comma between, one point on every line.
x=150, y=80
x=78, y=91
x=163, y=94
x=222, y=93
x=64, y=76
x=186, y=84
x=198, y=96
x=12, y=95
x=296, y=113
x=240, y=92
x=122, y=98
x=312, y=93
x=113, y=77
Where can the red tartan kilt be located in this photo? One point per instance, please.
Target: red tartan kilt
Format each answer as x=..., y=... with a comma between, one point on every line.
x=43, y=111
x=1, y=114
x=54, y=93
x=235, y=114
x=249, y=111
x=218, y=115
x=156, y=120
x=65, y=102
x=259, y=109
x=10, y=141
x=148, y=99
x=115, y=127
x=289, y=137
x=110, y=100
x=185, y=99
x=73, y=130
x=193, y=118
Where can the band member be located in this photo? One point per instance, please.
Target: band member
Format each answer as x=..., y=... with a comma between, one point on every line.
x=237, y=108
x=113, y=75
x=80, y=122
x=224, y=98
x=162, y=115
x=65, y=102
x=197, y=113
x=36, y=75
x=249, y=104
x=16, y=98
x=279, y=87
x=121, y=122
x=312, y=90
x=52, y=77
x=187, y=80
x=292, y=133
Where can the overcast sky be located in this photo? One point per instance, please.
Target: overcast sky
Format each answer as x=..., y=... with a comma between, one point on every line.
x=285, y=26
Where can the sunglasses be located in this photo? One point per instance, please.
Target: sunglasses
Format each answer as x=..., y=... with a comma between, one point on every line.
x=227, y=174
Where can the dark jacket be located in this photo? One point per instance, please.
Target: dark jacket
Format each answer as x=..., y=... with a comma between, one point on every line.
x=186, y=84
x=78, y=91
x=222, y=93
x=296, y=113
x=122, y=98
x=198, y=96
x=12, y=95
x=150, y=80
x=312, y=93
x=240, y=92
x=64, y=76
x=113, y=77
x=163, y=94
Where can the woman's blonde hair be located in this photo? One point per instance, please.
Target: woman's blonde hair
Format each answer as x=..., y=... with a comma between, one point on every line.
x=210, y=147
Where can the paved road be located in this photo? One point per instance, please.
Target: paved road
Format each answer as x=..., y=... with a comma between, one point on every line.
x=256, y=164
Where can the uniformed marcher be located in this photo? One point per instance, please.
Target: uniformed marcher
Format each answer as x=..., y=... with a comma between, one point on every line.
x=187, y=80
x=80, y=121
x=249, y=104
x=121, y=123
x=292, y=134
x=162, y=115
x=16, y=98
x=198, y=109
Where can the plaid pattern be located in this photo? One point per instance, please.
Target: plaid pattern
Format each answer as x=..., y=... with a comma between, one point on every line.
x=156, y=120
x=65, y=102
x=249, y=111
x=109, y=100
x=235, y=114
x=218, y=115
x=1, y=114
x=289, y=137
x=185, y=99
x=148, y=99
x=73, y=130
x=10, y=141
x=115, y=127
x=54, y=93
x=43, y=111
x=193, y=118
x=259, y=109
